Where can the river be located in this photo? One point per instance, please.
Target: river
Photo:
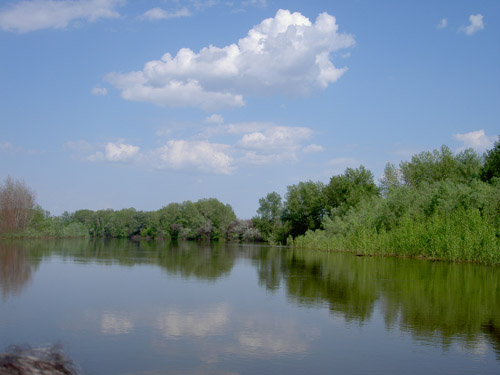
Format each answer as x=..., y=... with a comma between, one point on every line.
x=152, y=307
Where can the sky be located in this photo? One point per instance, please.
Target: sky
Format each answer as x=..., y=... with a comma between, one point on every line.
x=121, y=103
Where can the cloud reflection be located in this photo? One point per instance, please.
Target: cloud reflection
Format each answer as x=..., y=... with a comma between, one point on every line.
x=176, y=323
x=115, y=324
x=262, y=336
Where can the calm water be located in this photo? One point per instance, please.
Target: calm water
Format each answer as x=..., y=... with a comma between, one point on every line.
x=121, y=307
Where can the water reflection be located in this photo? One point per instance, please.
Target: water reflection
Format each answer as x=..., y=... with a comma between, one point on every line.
x=115, y=324
x=16, y=268
x=176, y=323
x=437, y=304
x=263, y=336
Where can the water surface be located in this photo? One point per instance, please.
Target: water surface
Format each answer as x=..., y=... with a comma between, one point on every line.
x=122, y=307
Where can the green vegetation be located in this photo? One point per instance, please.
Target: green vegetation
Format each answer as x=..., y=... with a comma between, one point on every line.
x=206, y=219
x=438, y=205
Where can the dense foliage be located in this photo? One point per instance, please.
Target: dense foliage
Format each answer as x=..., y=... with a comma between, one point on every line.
x=437, y=205
x=206, y=219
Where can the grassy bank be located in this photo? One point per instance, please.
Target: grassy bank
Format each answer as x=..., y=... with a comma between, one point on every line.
x=465, y=236
x=443, y=221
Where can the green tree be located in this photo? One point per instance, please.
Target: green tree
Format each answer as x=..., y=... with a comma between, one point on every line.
x=428, y=167
x=491, y=166
x=304, y=207
x=217, y=216
x=268, y=219
x=348, y=189
x=391, y=179
x=439, y=165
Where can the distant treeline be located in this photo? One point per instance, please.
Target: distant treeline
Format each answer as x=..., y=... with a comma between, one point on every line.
x=438, y=205
x=206, y=219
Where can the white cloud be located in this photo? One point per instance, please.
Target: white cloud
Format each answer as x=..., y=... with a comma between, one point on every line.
x=476, y=24
x=275, y=138
x=237, y=129
x=99, y=91
x=173, y=93
x=200, y=155
x=477, y=140
x=162, y=14
x=442, y=24
x=273, y=144
x=214, y=119
x=243, y=144
x=26, y=16
x=116, y=152
x=286, y=55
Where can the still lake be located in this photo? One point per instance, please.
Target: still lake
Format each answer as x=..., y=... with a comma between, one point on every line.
x=124, y=307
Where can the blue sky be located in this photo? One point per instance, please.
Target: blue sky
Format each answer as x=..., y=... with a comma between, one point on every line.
x=114, y=104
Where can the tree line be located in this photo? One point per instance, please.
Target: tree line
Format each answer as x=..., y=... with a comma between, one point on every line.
x=438, y=205
x=205, y=219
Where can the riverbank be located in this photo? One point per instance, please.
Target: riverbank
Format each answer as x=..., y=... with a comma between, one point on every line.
x=461, y=236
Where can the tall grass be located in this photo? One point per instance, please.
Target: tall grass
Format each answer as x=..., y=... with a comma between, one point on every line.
x=444, y=222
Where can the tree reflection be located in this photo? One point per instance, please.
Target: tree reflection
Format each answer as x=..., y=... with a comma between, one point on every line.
x=16, y=268
x=188, y=259
x=434, y=301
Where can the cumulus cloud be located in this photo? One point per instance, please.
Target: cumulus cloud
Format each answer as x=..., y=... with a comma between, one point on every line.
x=442, y=24
x=476, y=24
x=276, y=138
x=253, y=143
x=116, y=152
x=477, y=140
x=162, y=14
x=173, y=93
x=200, y=155
x=287, y=54
x=272, y=144
x=26, y=16
x=214, y=119
x=99, y=91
